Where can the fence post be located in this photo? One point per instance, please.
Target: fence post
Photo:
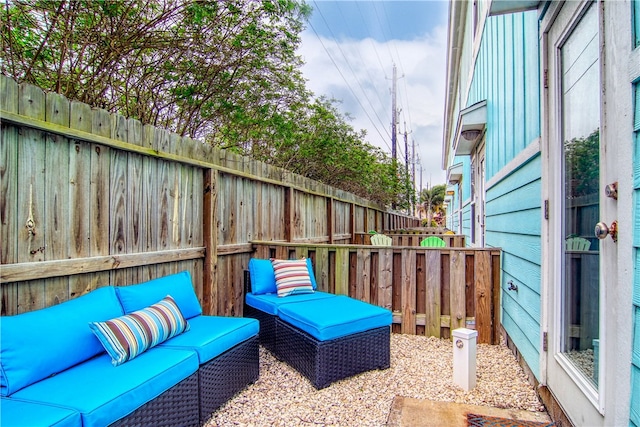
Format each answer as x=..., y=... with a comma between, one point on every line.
x=210, y=237
x=330, y=218
x=288, y=214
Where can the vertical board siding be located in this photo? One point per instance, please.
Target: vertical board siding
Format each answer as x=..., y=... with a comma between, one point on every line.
x=76, y=204
x=635, y=368
x=431, y=291
x=506, y=75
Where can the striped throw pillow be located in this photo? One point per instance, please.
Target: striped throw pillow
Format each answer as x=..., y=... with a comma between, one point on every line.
x=292, y=277
x=128, y=336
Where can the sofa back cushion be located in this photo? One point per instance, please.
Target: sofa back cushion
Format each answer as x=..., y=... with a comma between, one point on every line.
x=263, y=277
x=179, y=286
x=38, y=344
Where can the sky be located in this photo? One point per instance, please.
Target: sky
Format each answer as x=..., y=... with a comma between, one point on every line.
x=350, y=48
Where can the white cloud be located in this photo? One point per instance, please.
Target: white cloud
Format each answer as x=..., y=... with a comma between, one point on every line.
x=368, y=71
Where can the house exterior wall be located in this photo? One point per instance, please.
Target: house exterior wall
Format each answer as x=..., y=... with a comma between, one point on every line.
x=505, y=74
x=634, y=417
x=500, y=62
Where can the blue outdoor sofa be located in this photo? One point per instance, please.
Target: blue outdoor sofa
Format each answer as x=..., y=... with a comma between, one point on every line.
x=54, y=369
x=325, y=337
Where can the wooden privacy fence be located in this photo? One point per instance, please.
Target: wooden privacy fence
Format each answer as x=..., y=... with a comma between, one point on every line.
x=411, y=239
x=431, y=291
x=89, y=198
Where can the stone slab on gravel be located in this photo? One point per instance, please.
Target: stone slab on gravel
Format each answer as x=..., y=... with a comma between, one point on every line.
x=421, y=368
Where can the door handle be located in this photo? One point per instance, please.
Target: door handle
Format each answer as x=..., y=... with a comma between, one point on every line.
x=602, y=230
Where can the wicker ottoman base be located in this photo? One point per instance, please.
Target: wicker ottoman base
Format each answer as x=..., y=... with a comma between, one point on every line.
x=224, y=376
x=177, y=406
x=324, y=362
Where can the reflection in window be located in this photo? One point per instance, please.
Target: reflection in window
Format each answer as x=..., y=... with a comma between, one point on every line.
x=580, y=133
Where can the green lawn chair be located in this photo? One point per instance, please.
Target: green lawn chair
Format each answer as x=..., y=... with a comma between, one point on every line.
x=433, y=242
x=577, y=244
x=381, y=240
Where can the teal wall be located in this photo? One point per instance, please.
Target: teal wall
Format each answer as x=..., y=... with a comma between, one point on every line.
x=506, y=74
x=634, y=417
x=513, y=223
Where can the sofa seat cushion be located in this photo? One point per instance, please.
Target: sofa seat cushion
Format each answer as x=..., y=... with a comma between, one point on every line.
x=210, y=336
x=44, y=342
x=330, y=318
x=270, y=303
x=179, y=286
x=103, y=393
x=18, y=413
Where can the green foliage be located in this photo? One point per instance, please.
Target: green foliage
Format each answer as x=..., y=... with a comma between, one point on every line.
x=582, y=160
x=226, y=72
x=431, y=200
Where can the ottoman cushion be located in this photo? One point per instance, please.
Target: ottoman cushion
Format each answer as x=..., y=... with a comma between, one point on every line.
x=330, y=318
x=270, y=303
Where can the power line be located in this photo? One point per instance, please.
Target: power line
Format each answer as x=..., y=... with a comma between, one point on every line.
x=350, y=68
x=348, y=85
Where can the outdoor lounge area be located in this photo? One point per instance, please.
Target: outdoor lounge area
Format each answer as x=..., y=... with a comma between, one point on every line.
x=158, y=205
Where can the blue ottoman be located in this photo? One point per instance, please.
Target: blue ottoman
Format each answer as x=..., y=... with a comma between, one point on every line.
x=330, y=339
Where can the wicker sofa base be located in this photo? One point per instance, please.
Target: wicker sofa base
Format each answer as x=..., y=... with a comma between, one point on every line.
x=177, y=406
x=268, y=327
x=324, y=362
x=224, y=376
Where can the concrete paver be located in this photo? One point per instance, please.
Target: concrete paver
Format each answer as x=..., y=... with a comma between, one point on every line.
x=409, y=412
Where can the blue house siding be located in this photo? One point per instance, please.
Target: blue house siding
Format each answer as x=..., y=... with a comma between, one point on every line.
x=634, y=416
x=506, y=75
x=513, y=223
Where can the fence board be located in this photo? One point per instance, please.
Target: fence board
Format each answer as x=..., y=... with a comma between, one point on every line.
x=385, y=273
x=433, y=309
x=458, y=304
x=9, y=142
x=56, y=192
x=408, y=292
x=342, y=272
x=99, y=196
x=31, y=216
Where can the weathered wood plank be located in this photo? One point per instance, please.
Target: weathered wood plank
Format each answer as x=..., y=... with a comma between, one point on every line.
x=322, y=268
x=408, y=291
x=363, y=280
x=23, y=271
x=56, y=193
x=99, y=189
x=433, y=293
x=31, y=196
x=9, y=177
x=342, y=271
x=210, y=236
x=457, y=291
x=120, y=237
x=483, y=300
x=385, y=274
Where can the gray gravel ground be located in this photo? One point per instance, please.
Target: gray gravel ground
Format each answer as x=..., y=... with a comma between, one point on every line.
x=421, y=367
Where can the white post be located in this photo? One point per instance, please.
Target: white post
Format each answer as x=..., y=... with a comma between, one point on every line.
x=464, y=358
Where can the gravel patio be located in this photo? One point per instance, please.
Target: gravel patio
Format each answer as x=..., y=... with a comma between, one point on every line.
x=421, y=367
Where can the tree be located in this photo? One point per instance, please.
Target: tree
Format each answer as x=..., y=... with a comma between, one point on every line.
x=431, y=200
x=225, y=72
